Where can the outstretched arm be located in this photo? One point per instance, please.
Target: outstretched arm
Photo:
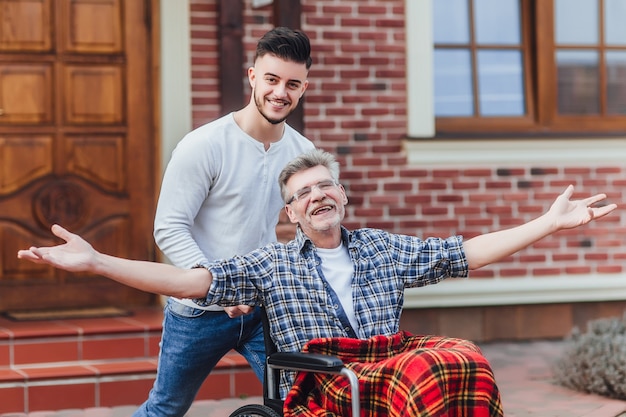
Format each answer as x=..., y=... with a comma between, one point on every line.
x=76, y=255
x=563, y=214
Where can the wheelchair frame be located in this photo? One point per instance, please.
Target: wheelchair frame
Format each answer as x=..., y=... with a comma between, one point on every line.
x=293, y=361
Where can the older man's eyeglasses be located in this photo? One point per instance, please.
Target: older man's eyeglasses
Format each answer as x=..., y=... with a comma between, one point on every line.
x=304, y=192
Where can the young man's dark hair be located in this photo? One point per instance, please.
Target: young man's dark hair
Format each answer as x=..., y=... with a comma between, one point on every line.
x=285, y=43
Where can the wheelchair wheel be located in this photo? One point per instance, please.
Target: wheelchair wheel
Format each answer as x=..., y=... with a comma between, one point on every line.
x=255, y=410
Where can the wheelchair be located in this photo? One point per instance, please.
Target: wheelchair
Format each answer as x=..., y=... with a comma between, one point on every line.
x=293, y=361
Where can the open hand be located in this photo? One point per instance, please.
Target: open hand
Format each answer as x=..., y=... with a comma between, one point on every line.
x=573, y=213
x=75, y=255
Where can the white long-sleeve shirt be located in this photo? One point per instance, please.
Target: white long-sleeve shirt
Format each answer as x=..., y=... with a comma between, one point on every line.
x=220, y=195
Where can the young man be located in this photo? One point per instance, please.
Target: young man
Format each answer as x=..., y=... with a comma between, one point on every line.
x=220, y=197
x=332, y=282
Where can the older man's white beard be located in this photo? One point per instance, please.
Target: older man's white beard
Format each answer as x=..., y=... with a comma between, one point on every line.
x=324, y=227
x=326, y=224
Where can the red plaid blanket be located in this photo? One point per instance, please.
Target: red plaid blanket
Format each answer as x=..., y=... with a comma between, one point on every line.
x=399, y=375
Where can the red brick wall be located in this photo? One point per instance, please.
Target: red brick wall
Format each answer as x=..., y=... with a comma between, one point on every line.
x=205, y=97
x=355, y=107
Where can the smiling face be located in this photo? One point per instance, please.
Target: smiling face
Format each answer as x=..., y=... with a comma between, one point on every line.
x=277, y=86
x=321, y=211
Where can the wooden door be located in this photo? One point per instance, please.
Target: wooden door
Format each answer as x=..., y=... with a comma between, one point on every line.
x=77, y=143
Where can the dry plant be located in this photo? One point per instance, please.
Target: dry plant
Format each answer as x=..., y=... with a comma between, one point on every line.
x=595, y=361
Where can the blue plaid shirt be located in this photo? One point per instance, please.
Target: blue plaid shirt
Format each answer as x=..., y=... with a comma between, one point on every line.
x=287, y=279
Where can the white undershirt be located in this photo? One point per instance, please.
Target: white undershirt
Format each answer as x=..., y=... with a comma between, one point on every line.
x=338, y=269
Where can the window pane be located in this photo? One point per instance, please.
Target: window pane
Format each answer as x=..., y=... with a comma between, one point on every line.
x=616, y=85
x=500, y=83
x=451, y=21
x=614, y=13
x=453, y=83
x=578, y=83
x=576, y=22
x=497, y=21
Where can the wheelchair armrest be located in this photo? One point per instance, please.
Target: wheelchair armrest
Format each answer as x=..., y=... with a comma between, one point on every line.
x=311, y=362
x=305, y=362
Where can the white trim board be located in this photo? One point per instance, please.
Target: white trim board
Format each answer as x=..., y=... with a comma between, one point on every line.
x=517, y=291
x=510, y=151
x=175, y=64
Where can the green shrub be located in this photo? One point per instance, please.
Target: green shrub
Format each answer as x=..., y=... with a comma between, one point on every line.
x=595, y=361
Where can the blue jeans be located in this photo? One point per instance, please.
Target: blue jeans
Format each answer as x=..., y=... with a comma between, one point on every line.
x=192, y=343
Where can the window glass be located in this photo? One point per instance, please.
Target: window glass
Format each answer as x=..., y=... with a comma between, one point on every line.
x=614, y=25
x=497, y=22
x=616, y=87
x=576, y=22
x=530, y=66
x=500, y=83
x=578, y=82
x=450, y=21
x=453, y=83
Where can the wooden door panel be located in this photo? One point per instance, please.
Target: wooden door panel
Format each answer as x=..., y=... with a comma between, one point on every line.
x=66, y=200
x=17, y=36
x=93, y=94
x=110, y=236
x=25, y=93
x=98, y=159
x=93, y=26
x=75, y=204
x=17, y=272
x=97, y=216
x=44, y=282
x=23, y=159
x=69, y=135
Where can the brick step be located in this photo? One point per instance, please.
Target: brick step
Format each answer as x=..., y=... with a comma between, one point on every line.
x=45, y=341
x=103, y=362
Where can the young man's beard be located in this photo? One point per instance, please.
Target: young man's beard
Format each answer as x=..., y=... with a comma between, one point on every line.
x=259, y=106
